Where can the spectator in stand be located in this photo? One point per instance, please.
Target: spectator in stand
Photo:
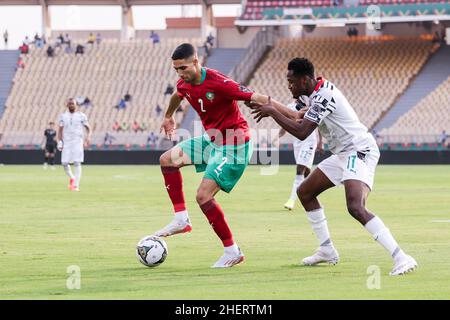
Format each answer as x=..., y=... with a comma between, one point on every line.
x=210, y=40
x=68, y=49
x=38, y=41
x=136, y=126
x=152, y=139
x=87, y=103
x=79, y=50
x=124, y=126
x=158, y=110
x=116, y=126
x=24, y=48
x=50, y=51
x=127, y=97
x=59, y=40
x=20, y=63
x=121, y=104
x=5, y=37
x=443, y=138
x=108, y=139
x=206, y=47
x=169, y=89
x=79, y=100
x=155, y=37
x=27, y=41
x=91, y=39
x=67, y=40
x=98, y=38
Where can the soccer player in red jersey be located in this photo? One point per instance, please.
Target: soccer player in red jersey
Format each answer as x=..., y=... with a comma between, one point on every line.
x=223, y=152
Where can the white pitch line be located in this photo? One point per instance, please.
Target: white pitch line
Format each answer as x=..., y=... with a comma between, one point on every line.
x=440, y=220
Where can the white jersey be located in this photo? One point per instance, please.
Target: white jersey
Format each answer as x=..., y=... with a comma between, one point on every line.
x=338, y=122
x=73, y=124
x=312, y=138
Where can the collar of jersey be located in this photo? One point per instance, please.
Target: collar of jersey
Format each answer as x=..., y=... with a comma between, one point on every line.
x=319, y=83
x=203, y=76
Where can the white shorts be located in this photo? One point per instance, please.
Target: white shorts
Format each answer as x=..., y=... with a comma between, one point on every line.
x=304, y=154
x=351, y=166
x=72, y=151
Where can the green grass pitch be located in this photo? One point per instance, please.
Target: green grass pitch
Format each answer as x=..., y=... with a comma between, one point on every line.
x=44, y=229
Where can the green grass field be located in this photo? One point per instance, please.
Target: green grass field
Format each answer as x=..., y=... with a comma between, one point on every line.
x=44, y=229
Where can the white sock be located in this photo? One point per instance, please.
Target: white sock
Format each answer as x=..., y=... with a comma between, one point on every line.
x=319, y=224
x=384, y=237
x=297, y=182
x=68, y=171
x=233, y=249
x=182, y=215
x=77, y=174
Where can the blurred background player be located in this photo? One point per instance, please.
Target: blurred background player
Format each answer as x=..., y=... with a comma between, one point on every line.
x=70, y=141
x=223, y=152
x=50, y=145
x=353, y=161
x=304, y=152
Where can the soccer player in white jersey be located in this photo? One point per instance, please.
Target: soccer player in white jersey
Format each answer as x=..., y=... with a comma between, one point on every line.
x=353, y=161
x=304, y=152
x=70, y=141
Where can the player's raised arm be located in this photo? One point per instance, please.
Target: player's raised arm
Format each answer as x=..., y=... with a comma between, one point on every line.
x=168, y=124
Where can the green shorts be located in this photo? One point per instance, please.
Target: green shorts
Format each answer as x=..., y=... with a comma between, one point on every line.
x=223, y=164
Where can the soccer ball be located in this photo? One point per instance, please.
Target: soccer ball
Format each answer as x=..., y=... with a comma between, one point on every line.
x=151, y=251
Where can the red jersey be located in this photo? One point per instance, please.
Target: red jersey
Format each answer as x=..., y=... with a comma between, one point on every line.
x=214, y=99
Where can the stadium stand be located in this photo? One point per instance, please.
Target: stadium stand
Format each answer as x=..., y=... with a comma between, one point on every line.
x=425, y=121
x=371, y=71
x=104, y=74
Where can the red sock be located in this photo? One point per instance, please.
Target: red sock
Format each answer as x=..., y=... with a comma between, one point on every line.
x=174, y=185
x=216, y=219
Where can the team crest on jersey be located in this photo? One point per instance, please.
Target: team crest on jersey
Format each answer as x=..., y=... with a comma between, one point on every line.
x=210, y=96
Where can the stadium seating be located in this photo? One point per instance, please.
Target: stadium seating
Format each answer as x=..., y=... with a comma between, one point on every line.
x=425, y=121
x=371, y=71
x=104, y=74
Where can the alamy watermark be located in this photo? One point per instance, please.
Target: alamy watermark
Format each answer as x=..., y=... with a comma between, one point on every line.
x=73, y=282
x=374, y=278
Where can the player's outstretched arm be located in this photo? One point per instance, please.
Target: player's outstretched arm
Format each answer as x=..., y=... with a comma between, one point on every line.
x=260, y=99
x=87, y=141
x=299, y=129
x=168, y=125
x=59, y=137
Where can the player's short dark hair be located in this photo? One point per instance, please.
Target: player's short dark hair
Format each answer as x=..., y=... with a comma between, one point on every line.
x=301, y=67
x=183, y=51
x=51, y=122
